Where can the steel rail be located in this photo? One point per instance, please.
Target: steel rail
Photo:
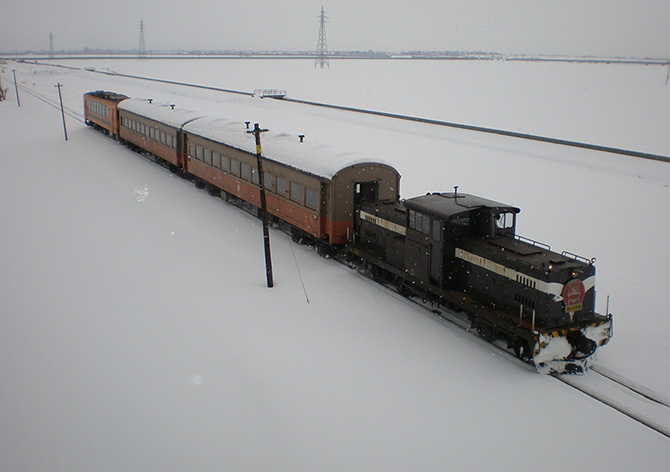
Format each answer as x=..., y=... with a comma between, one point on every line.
x=513, y=134
x=621, y=409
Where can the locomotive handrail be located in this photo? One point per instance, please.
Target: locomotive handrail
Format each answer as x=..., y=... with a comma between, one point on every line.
x=532, y=242
x=578, y=257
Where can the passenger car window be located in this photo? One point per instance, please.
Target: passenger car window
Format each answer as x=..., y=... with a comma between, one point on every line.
x=281, y=186
x=310, y=198
x=296, y=194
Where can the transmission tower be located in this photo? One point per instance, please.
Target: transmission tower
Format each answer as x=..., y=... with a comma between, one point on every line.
x=322, y=47
x=51, y=45
x=142, y=48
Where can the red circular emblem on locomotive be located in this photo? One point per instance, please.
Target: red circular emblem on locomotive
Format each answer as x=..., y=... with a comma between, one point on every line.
x=573, y=295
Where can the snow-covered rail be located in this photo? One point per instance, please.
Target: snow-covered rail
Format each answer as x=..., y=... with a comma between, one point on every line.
x=635, y=401
x=625, y=396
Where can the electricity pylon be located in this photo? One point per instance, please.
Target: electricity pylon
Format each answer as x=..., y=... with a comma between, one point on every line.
x=142, y=48
x=322, y=47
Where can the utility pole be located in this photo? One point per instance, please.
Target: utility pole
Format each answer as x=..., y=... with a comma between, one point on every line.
x=321, y=47
x=16, y=89
x=264, y=213
x=62, y=112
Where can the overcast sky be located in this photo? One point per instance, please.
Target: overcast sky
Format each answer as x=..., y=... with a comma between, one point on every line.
x=571, y=27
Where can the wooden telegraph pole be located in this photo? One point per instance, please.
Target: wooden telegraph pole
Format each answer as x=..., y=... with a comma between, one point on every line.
x=62, y=112
x=264, y=214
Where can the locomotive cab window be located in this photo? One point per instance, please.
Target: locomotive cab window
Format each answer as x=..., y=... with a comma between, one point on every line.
x=505, y=222
x=458, y=225
x=419, y=222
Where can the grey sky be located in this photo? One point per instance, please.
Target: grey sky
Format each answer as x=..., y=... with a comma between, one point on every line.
x=571, y=27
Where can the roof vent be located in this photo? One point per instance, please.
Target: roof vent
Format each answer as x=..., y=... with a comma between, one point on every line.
x=301, y=136
x=150, y=100
x=172, y=106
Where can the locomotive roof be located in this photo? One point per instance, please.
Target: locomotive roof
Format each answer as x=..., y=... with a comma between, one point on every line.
x=447, y=205
x=161, y=112
x=318, y=159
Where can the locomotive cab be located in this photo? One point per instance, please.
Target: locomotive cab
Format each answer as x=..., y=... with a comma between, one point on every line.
x=438, y=222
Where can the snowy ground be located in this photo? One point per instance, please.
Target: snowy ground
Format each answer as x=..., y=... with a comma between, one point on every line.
x=137, y=334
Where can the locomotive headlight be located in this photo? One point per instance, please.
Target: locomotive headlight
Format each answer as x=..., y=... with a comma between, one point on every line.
x=574, y=275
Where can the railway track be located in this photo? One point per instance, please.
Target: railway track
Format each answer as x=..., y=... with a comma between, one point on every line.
x=634, y=401
x=511, y=134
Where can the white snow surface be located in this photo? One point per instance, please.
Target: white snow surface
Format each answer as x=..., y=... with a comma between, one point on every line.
x=136, y=331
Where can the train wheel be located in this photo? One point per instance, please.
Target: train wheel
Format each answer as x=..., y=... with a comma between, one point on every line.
x=521, y=350
x=486, y=331
x=401, y=288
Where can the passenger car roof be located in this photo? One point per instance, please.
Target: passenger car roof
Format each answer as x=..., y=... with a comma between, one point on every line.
x=320, y=159
x=448, y=205
x=113, y=96
x=161, y=112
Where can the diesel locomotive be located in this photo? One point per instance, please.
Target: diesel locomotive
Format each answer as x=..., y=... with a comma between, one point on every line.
x=458, y=250
x=463, y=251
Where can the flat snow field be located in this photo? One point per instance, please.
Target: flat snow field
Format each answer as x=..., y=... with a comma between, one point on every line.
x=136, y=331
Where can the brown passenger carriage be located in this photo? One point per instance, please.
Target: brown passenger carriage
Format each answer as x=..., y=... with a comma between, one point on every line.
x=312, y=187
x=155, y=128
x=101, y=111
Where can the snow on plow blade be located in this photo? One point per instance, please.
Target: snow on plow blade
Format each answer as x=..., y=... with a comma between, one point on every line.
x=570, y=351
